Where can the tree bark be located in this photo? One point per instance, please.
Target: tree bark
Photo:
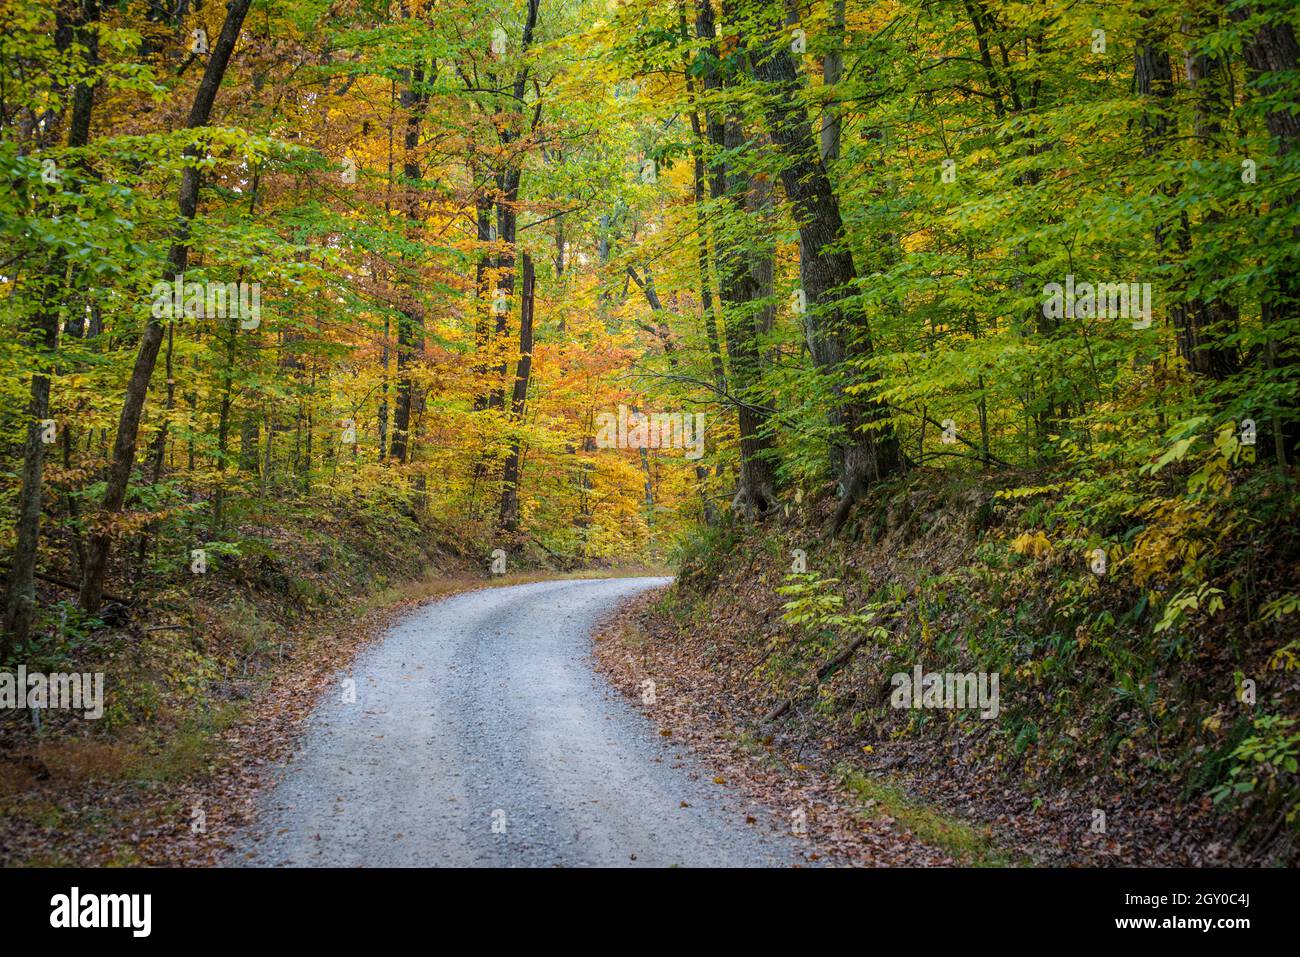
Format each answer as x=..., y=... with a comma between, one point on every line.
x=865, y=447
x=1198, y=325
x=410, y=319
x=737, y=289
x=832, y=70
x=510, y=480
x=508, y=179
x=707, y=316
x=483, y=299
x=1272, y=55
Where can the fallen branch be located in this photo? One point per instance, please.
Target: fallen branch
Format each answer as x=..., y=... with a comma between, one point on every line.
x=72, y=586
x=833, y=665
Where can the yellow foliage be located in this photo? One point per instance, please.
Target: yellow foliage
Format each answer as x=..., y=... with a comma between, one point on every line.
x=1032, y=543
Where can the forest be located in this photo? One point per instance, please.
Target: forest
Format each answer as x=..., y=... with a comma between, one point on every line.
x=955, y=334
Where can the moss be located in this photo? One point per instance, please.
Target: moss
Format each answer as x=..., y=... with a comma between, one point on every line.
x=971, y=845
x=188, y=750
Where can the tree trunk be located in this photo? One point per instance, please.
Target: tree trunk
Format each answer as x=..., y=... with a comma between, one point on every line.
x=21, y=605
x=519, y=397
x=738, y=289
x=410, y=320
x=707, y=316
x=250, y=440
x=1272, y=55
x=832, y=70
x=865, y=447
x=1202, y=331
x=128, y=427
x=1198, y=325
x=507, y=219
x=483, y=298
x=508, y=179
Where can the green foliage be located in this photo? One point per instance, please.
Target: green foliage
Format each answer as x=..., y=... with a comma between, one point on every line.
x=1266, y=761
x=812, y=603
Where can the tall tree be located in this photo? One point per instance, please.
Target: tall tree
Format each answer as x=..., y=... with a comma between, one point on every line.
x=128, y=426
x=509, y=519
x=410, y=320
x=1200, y=325
x=21, y=603
x=864, y=446
x=738, y=288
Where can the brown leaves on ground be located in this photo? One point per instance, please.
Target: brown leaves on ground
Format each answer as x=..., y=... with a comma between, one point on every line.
x=714, y=685
x=96, y=801
x=694, y=705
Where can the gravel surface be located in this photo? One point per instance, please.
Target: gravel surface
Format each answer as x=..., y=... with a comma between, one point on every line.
x=480, y=736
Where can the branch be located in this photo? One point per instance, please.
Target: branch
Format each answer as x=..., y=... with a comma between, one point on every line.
x=73, y=587
x=987, y=457
x=721, y=393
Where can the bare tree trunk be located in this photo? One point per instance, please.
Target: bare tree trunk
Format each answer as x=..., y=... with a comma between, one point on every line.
x=483, y=297
x=761, y=205
x=410, y=320
x=508, y=179
x=649, y=486
x=1198, y=325
x=1272, y=55
x=707, y=316
x=76, y=327
x=227, y=390
x=223, y=422
x=383, y=397
x=1271, y=52
x=1202, y=332
x=832, y=70
x=21, y=606
x=250, y=440
x=507, y=219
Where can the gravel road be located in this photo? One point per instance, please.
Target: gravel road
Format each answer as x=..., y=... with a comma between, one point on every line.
x=480, y=736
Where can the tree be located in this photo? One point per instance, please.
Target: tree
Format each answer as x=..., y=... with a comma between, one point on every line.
x=128, y=426
x=21, y=603
x=864, y=448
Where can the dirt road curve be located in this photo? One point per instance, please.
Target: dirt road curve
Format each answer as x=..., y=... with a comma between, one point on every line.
x=481, y=736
